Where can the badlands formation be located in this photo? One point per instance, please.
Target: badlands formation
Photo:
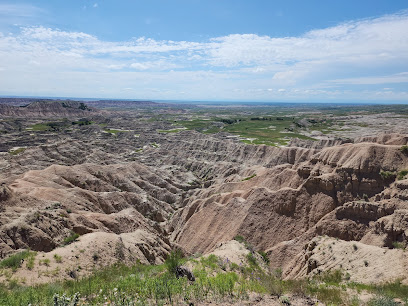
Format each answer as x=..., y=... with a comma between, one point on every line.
x=132, y=192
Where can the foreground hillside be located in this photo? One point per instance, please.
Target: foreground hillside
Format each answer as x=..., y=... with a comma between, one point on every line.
x=91, y=191
x=232, y=274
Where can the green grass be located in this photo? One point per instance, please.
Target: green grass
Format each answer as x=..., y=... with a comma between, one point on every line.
x=240, y=239
x=170, y=131
x=386, y=175
x=112, y=131
x=39, y=127
x=71, y=238
x=15, y=261
x=58, y=258
x=398, y=245
x=274, y=130
x=251, y=259
x=215, y=282
x=391, y=289
x=249, y=177
x=17, y=151
x=123, y=285
x=264, y=256
x=31, y=260
x=402, y=174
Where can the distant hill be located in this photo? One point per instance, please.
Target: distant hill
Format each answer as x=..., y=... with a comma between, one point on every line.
x=119, y=104
x=44, y=108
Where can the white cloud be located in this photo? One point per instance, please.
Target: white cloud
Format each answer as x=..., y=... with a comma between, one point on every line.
x=95, y=5
x=395, y=78
x=322, y=62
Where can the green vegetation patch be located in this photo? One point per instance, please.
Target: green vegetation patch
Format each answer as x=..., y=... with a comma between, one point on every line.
x=216, y=280
x=170, y=131
x=249, y=177
x=112, y=131
x=269, y=130
x=17, y=151
x=71, y=238
x=15, y=261
x=387, y=175
x=404, y=149
x=402, y=174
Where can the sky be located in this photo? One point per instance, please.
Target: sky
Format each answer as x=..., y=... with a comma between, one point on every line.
x=208, y=50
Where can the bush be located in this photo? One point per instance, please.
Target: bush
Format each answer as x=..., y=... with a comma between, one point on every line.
x=331, y=277
x=382, y=301
x=173, y=261
x=70, y=239
x=57, y=258
x=398, y=245
x=402, y=174
x=45, y=262
x=264, y=256
x=31, y=261
x=251, y=259
x=240, y=239
x=387, y=175
x=404, y=149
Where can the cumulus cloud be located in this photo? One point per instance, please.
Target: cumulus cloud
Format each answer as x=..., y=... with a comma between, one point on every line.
x=345, y=62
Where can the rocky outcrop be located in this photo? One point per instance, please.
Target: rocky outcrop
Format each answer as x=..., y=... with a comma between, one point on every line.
x=46, y=108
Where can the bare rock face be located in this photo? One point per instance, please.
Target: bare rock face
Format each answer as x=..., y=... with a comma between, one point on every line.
x=361, y=262
x=83, y=199
x=283, y=207
x=56, y=109
x=5, y=192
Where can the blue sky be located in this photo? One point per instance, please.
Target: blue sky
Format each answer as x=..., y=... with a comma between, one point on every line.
x=317, y=51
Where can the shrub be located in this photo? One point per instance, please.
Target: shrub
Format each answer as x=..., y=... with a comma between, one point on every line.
x=57, y=258
x=264, y=256
x=333, y=277
x=382, y=301
x=398, y=245
x=240, y=239
x=173, y=261
x=404, y=149
x=328, y=295
x=402, y=174
x=387, y=175
x=210, y=261
x=31, y=260
x=355, y=247
x=272, y=285
x=71, y=238
x=251, y=259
